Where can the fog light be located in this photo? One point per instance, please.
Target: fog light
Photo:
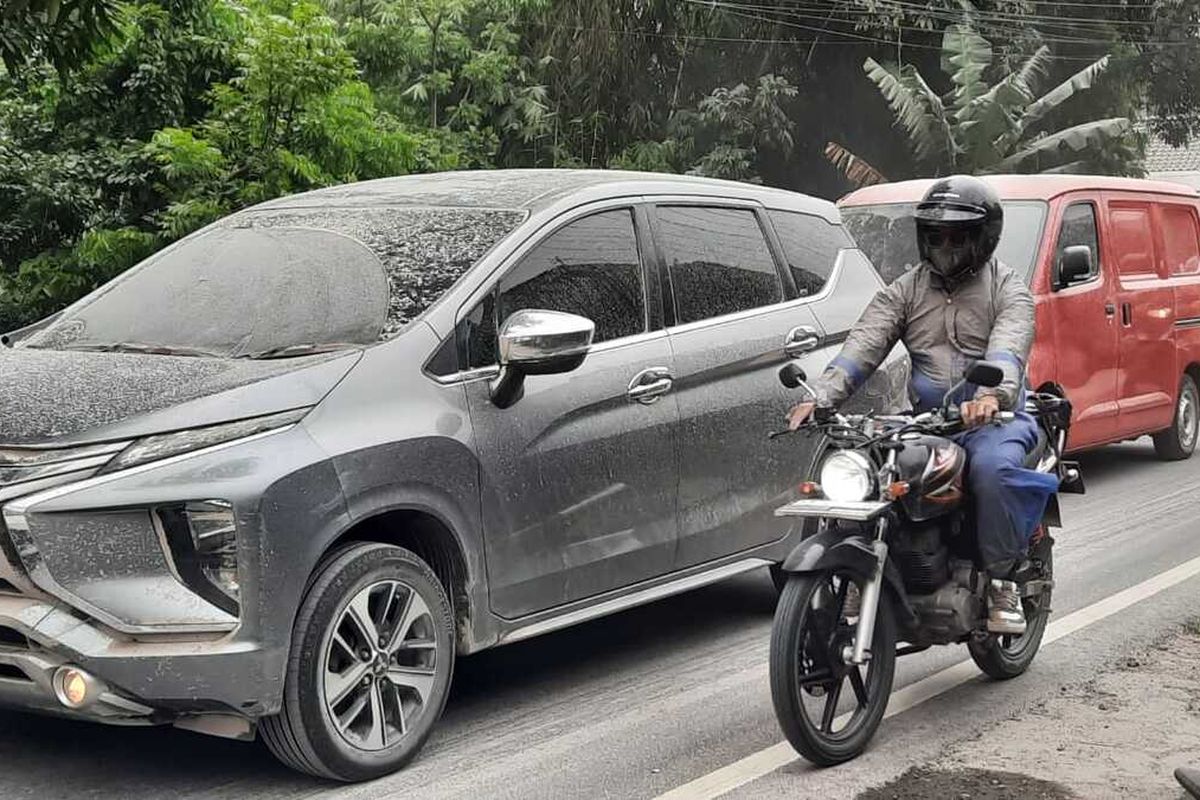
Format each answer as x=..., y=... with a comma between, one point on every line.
x=75, y=688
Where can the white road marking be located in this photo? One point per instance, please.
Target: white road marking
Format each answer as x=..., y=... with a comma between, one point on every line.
x=756, y=765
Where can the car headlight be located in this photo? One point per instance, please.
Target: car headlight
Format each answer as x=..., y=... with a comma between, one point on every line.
x=846, y=476
x=165, y=445
x=202, y=537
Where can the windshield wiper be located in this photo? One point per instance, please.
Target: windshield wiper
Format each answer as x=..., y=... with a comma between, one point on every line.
x=149, y=349
x=294, y=350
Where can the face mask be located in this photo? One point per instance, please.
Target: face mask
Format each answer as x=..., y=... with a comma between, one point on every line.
x=950, y=250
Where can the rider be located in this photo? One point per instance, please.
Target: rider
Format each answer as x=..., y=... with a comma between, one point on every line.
x=961, y=305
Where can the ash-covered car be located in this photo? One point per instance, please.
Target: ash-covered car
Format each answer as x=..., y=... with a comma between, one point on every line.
x=276, y=477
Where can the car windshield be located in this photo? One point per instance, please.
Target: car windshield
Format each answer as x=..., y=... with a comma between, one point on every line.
x=888, y=235
x=280, y=283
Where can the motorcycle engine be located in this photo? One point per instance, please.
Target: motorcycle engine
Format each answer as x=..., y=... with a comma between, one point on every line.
x=947, y=615
x=921, y=555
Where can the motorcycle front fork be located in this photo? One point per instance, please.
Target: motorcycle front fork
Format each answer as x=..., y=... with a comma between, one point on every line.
x=869, y=603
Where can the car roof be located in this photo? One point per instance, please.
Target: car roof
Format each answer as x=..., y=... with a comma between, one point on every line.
x=536, y=190
x=1016, y=187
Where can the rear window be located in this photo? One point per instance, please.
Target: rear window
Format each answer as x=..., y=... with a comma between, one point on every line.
x=888, y=235
x=719, y=261
x=1132, y=239
x=1179, y=240
x=811, y=246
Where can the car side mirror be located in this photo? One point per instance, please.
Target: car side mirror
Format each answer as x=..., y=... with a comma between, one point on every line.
x=985, y=373
x=538, y=342
x=1075, y=265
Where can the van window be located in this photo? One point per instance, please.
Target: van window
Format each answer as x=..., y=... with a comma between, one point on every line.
x=888, y=235
x=719, y=261
x=1079, y=228
x=1132, y=239
x=1180, y=248
x=811, y=246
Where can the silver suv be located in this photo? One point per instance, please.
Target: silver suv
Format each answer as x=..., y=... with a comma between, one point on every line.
x=280, y=475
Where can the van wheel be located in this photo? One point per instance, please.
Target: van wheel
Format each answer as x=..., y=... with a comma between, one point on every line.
x=1177, y=442
x=371, y=659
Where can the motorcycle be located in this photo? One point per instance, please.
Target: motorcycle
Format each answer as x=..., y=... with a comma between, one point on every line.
x=889, y=557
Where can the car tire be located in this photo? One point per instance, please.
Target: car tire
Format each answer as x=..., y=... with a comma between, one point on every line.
x=390, y=691
x=1179, y=441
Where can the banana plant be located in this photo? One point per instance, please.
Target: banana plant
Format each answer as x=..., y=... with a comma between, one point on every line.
x=979, y=127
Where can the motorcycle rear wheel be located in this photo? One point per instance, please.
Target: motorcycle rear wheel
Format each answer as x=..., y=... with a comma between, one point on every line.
x=1005, y=657
x=808, y=673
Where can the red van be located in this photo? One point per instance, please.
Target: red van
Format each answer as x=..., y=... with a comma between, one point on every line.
x=1114, y=266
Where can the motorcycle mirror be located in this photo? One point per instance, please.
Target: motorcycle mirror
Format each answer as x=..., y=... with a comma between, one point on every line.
x=985, y=373
x=792, y=375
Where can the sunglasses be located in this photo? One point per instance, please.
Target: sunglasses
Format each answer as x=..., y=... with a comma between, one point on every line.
x=953, y=237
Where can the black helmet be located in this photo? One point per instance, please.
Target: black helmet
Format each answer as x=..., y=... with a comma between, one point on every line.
x=958, y=224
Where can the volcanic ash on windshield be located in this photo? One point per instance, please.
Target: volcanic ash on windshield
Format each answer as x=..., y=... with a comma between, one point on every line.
x=423, y=250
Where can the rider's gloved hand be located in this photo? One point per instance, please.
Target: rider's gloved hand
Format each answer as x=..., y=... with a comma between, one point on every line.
x=800, y=414
x=980, y=412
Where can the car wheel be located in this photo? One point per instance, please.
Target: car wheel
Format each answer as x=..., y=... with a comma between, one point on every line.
x=1179, y=441
x=370, y=666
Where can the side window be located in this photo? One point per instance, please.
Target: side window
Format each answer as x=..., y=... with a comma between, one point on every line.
x=1132, y=239
x=1179, y=240
x=811, y=246
x=719, y=261
x=1079, y=228
x=590, y=267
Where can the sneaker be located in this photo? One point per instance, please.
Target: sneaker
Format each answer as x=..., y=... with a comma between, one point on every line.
x=1005, y=615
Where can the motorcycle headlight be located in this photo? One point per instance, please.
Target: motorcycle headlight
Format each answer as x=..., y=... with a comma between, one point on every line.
x=160, y=446
x=846, y=476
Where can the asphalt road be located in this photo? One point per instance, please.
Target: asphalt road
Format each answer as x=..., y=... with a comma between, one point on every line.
x=645, y=702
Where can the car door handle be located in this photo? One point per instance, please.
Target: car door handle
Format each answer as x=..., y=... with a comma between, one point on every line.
x=1126, y=314
x=649, y=385
x=800, y=340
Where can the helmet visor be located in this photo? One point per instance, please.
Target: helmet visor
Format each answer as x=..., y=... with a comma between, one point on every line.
x=945, y=214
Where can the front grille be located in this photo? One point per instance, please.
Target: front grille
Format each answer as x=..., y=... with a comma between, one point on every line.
x=8, y=672
x=10, y=637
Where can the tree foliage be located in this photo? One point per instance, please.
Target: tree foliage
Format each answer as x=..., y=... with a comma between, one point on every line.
x=979, y=126
x=125, y=124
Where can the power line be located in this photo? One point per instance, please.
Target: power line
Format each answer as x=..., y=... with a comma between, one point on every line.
x=736, y=10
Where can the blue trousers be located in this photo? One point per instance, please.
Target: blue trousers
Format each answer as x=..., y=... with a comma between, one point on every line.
x=1009, y=499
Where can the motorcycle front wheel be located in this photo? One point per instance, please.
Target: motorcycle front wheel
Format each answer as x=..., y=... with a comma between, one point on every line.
x=828, y=707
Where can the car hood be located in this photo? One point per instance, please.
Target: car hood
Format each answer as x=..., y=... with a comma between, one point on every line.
x=60, y=397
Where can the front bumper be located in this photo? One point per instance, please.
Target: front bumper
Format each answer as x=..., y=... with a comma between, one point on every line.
x=144, y=682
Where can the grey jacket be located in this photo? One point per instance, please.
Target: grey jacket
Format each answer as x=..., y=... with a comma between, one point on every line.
x=988, y=314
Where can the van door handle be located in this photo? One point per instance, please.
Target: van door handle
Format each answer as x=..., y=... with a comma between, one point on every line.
x=649, y=385
x=800, y=340
x=1126, y=314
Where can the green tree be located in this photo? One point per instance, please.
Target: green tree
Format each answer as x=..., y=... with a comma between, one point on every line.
x=61, y=31
x=190, y=110
x=996, y=127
